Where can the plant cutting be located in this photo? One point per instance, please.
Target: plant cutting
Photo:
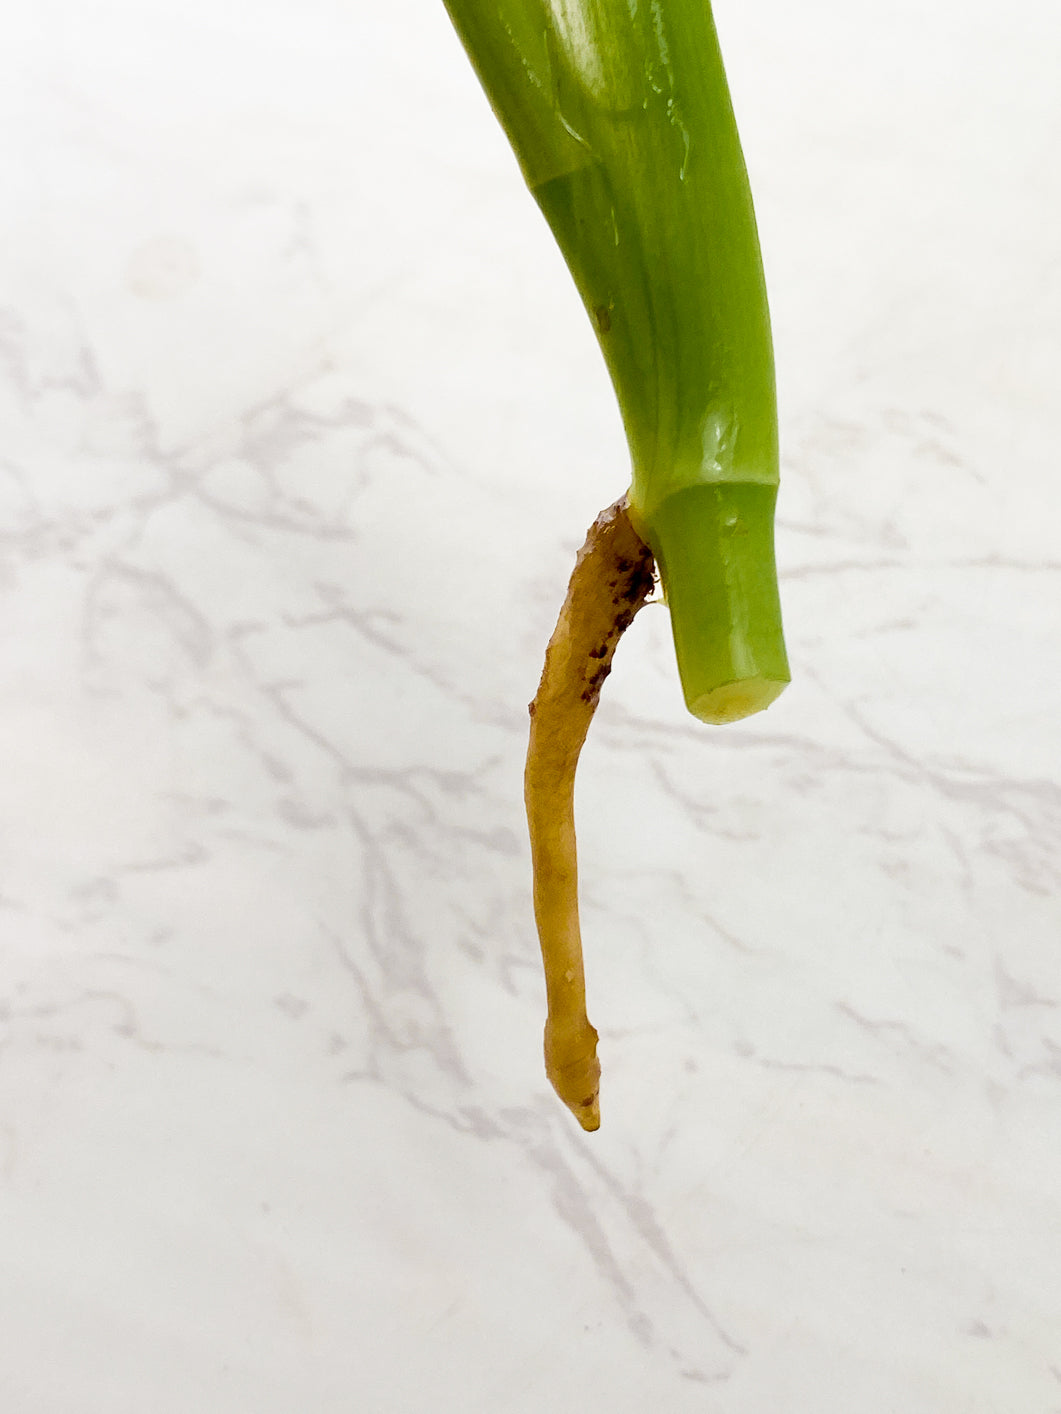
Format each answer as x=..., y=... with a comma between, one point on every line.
x=620, y=117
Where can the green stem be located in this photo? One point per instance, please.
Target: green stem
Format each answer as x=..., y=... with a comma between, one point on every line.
x=620, y=115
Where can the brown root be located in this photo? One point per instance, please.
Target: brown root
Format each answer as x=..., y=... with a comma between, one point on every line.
x=613, y=576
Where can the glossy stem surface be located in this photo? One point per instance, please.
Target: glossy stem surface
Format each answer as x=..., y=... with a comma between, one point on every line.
x=620, y=115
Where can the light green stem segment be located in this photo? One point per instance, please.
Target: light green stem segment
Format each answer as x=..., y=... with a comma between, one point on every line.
x=620, y=115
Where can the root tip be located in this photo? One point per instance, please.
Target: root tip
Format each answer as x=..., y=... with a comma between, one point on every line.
x=574, y=1071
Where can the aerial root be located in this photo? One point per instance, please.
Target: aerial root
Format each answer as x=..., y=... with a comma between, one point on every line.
x=613, y=576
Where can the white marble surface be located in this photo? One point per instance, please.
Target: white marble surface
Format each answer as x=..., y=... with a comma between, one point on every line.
x=301, y=426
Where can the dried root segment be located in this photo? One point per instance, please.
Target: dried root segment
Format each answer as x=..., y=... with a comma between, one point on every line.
x=613, y=575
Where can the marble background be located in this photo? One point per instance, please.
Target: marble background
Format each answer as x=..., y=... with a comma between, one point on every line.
x=302, y=425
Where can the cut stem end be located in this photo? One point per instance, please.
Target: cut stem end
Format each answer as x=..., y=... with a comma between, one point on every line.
x=735, y=700
x=714, y=544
